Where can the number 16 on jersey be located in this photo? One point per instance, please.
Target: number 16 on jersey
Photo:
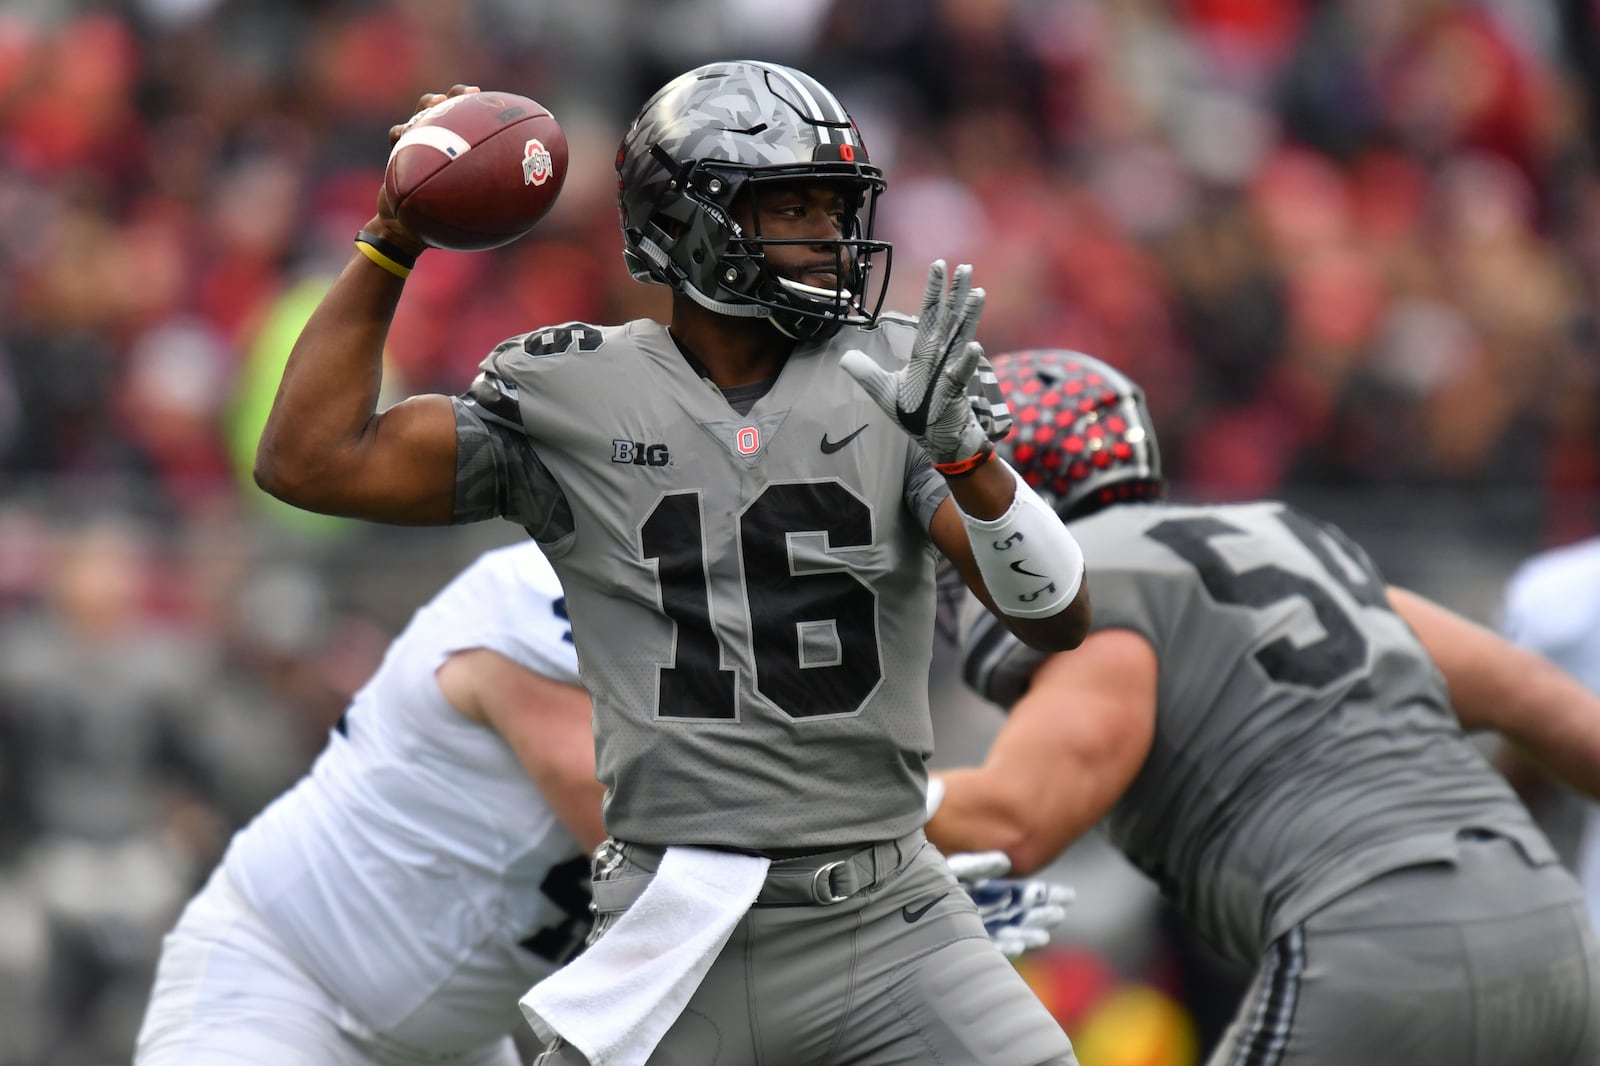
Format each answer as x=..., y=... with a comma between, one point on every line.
x=813, y=633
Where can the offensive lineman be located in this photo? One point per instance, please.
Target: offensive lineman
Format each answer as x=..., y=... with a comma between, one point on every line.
x=744, y=535
x=392, y=906
x=1276, y=738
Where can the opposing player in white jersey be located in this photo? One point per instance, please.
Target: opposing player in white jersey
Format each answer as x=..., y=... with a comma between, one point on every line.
x=744, y=507
x=393, y=905
x=1277, y=739
x=1552, y=606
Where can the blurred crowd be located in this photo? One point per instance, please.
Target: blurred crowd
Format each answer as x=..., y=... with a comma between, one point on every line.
x=1349, y=246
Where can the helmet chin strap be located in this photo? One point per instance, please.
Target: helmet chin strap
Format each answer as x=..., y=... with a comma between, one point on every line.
x=721, y=308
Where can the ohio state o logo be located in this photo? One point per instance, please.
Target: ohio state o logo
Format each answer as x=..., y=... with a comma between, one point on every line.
x=747, y=440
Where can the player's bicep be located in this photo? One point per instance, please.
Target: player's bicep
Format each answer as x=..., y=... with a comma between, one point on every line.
x=1070, y=748
x=1493, y=683
x=402, y=470
x=1098, y=702
x=1079, y=735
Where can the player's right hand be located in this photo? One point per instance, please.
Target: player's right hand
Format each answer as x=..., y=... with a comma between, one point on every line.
x=386, y=224
x=929, y=395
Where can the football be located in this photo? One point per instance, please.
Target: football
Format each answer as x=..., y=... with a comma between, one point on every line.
x=477, y=170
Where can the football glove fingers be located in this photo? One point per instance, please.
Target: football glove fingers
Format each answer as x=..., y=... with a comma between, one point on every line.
x=1013, y=941
x=988, y=403
x=1021, y=904
x=929, y=395
x=971, y=867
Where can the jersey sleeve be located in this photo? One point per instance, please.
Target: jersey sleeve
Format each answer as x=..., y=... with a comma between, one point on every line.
x=511, y=603
x=498, y=471
x=541, y=639
x=1541, y=612
x=925, y=488
x=994, y=663
x=498, y=475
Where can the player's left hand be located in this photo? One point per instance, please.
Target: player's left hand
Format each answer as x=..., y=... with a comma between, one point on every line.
x=929, y=395
x=1018, y=913
x=989, y=405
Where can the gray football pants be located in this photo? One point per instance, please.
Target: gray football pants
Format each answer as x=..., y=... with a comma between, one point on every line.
x=900, y=972
x=1487, y=962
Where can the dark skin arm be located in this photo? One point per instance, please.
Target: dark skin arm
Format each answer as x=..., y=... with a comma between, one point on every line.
x=326, y=447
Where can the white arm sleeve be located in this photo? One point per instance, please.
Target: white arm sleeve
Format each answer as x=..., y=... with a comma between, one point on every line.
x=1030, y=562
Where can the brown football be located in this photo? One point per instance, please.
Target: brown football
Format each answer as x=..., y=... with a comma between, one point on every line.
x=477, y=170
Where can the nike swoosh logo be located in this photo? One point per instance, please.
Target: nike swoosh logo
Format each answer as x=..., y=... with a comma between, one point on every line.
x=1017, y=567
x=915, y=915
x=831, y=446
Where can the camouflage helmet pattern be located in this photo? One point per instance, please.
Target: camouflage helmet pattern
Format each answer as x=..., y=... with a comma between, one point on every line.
x=709, y=136
x=1084, y=437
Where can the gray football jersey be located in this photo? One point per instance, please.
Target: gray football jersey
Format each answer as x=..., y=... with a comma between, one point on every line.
x=751, y=595
x=1304, y=741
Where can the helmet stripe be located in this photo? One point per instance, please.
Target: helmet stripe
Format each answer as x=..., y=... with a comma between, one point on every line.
x=809, y=98
x=845, y=129
x=830, y=101
x=1131, y=413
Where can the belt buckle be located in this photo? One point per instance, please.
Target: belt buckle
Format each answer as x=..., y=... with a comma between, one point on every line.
x=822, y=883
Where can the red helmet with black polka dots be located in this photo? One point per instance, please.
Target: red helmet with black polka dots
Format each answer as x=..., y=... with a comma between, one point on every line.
x=1083, y=436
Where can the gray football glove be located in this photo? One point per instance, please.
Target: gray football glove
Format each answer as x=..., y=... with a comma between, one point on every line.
x=989, y=403
x=1018, y=914
x=929, y=395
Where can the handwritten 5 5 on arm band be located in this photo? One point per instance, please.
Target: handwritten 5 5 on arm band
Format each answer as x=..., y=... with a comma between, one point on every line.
x=1030, y=562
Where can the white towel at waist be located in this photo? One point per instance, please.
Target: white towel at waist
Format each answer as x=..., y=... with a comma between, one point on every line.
x=617, y=1000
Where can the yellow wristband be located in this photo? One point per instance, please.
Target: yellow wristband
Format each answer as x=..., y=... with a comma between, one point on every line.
x=399, y=270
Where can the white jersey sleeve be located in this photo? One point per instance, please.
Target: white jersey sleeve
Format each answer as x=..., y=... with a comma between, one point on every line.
x=1552, y=606
x=417, y=874
x=513, y=605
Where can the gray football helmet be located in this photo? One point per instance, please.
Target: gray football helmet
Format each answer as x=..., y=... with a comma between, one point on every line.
x=712, y=135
